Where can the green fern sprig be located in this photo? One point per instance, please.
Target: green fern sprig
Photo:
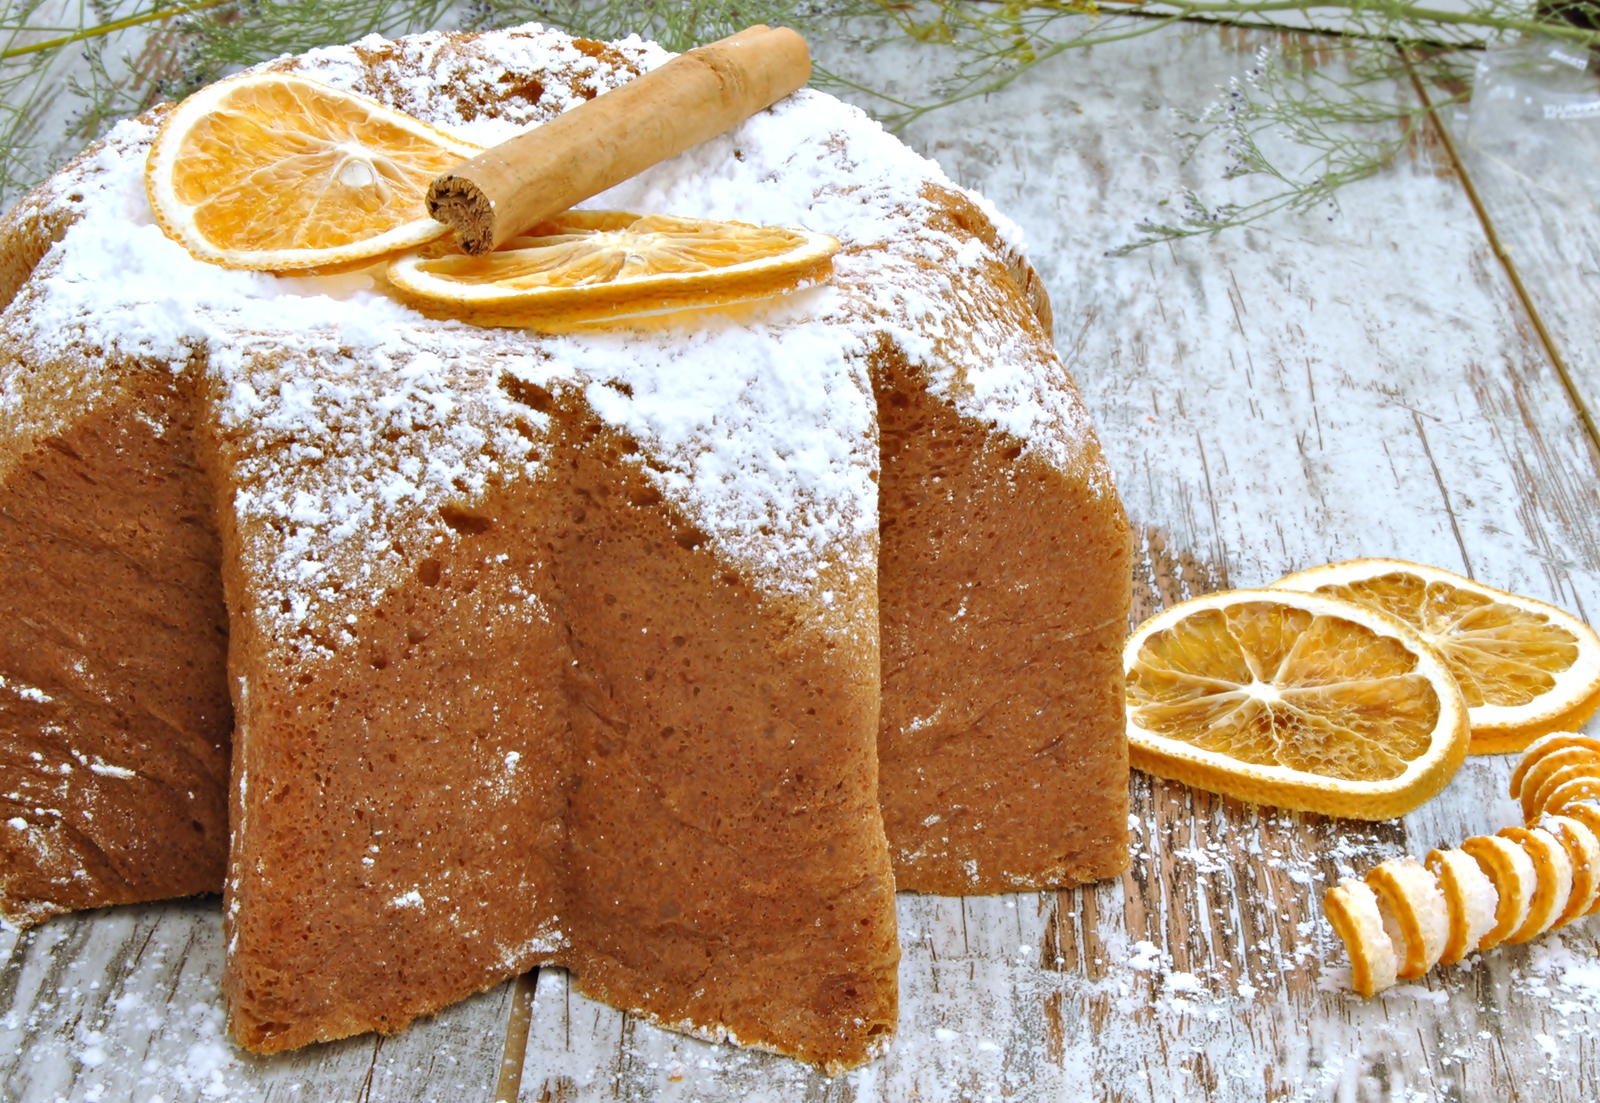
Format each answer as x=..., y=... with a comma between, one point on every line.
x=1348, y=115
x=114, y=58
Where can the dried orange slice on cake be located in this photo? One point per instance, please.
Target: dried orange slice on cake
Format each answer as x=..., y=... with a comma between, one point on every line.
x=1293, y=699
x=591, y=267
x=276, y=172
x=1524, y=667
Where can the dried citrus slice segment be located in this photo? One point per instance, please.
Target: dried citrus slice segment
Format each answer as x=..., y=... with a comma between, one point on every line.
x=1546, y=745
x=1583, y=851
x=1415, y=916
x=1560, y=801
x=1565, y=764
x=1537, y=798
x=1352, y=911
x=1511, y=869
x=273, y=171
x=589, y=267
x=1553, y=870
x=1587, y=814
x=1293, y=699
x=1470, y=898
x=1525, y=668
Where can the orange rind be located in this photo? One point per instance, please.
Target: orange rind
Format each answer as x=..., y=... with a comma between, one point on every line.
x=1352, y=910
x=1509, y=887
x=1511, y=869
x=1546, y=746
x=1570, y=762
x=1588, y=814
x=1295, y=700
x=1552, y=880
x=588, y=268
x=1540, y=789
x=1414, y=913
x=1582, y=790
x=1583, y=852
x=1470, y=899
x=277, y=172
x=1525, y=667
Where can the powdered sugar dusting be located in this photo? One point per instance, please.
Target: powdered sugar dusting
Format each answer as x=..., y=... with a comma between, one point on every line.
x=489, y=69
x=352, y=419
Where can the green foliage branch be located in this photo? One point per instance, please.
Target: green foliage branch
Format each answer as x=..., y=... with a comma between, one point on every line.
x=1343, y=121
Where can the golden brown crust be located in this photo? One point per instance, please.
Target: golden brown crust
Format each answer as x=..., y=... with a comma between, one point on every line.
x=113, y=637
x=1004, y=595
x=400, y=806
x=727, y=863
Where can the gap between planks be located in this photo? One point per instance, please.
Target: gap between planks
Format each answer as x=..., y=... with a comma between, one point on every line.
x=509, y=1086
x=1585, y=415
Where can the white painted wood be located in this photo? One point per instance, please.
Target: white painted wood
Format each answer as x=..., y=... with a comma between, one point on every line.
x=1531, y=140
x=125, y=1004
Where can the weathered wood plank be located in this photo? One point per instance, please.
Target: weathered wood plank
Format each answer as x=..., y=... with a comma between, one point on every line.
x=126, y=1003
x=1532, y=151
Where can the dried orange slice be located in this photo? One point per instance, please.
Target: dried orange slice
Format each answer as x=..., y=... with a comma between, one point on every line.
x=1470, y=898
x=1525, y=668
x=1293, y=699
x=277, y=172
x=592, y=267
x=1415, y=915
x=1352, y=911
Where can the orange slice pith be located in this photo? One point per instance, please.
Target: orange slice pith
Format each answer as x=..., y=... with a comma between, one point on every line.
x=1525, y=667
x=1512, y=872
x=1352, y=911
x=1293, y=699
x=275, y=172
x=1470, y=898
x=1412, y=900
x=1553, y=880
x=591, y=267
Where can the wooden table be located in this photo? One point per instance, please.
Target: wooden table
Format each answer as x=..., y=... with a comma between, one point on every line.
x=1377, y=382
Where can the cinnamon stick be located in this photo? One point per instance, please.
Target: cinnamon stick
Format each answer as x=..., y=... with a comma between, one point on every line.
x=694, y=97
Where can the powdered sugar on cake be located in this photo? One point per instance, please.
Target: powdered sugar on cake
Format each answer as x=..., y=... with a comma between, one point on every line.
x=407, y=75
x=368, y=418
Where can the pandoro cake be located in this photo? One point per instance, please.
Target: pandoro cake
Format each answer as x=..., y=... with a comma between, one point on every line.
x=663, y=654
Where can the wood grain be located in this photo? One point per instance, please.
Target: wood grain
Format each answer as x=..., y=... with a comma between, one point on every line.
x=1532, y=155
x=125, y=1004
x=1313, y=389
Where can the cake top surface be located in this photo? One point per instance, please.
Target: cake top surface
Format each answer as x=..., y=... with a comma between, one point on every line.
x=762, y=430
